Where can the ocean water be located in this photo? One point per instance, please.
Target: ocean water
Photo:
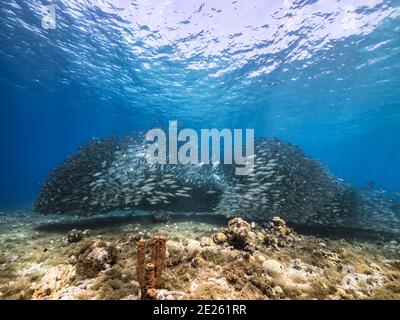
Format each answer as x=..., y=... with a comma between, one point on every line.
x=324, y=75
x=319, y=74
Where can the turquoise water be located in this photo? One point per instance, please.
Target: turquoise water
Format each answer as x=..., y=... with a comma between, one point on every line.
x=321, y=74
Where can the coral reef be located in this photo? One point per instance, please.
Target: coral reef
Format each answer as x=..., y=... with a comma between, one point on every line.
x=245, y=236
x=234, y=259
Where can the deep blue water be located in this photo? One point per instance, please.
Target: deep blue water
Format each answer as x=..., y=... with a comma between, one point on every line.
x=321, y=74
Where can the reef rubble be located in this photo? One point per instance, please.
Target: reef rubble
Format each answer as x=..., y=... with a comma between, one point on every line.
x=236, y=260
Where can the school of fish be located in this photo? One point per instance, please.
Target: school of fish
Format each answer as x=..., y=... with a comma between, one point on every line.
x=113, y=174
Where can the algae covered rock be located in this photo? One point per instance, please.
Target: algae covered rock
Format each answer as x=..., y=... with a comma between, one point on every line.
x=220, y=238
x=53, y=281
x=174, y=252
x=164, y=294
x=193, y=248
x=206, y=242
x=359, y=282
x=239, y=234
x=197, y=262
x=332, y=256
x=273, y=268
x=277, y=235
x=95, y=256
x=174, y=248
x=246, y=236
x=74, y=236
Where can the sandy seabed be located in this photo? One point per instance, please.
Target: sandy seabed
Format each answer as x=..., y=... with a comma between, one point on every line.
x=207, y=257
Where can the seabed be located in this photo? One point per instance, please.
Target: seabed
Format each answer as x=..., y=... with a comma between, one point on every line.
x=207, y=257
